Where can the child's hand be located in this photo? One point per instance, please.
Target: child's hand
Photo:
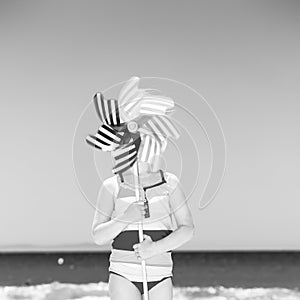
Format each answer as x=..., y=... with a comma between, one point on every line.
x=145, y=249
x=135, y=212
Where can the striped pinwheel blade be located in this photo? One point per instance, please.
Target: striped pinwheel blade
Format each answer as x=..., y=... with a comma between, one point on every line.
x=149, y=148
x=161, y=127
x=129, y=91
x=126, y=156
x=135, y=101
x=106, y=139
x=149, y=105
x=156, y=105
x=129, y=97
x=107, y=110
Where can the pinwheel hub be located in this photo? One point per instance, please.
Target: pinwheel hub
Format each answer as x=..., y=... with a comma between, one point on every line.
x=132, y=126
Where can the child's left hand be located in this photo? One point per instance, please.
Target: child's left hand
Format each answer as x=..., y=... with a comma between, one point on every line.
x=145, y=249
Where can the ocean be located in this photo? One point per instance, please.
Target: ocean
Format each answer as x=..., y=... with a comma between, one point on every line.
x=197, y=275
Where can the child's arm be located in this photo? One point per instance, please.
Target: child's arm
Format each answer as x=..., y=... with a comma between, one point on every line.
x=184, y=220
x=104, y=229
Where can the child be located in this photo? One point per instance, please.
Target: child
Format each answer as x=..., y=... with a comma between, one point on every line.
x=117, y=217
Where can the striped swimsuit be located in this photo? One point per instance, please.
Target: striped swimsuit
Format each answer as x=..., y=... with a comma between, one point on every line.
x=123, y=260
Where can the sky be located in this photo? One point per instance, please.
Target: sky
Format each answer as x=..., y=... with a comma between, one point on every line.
x=241, y=56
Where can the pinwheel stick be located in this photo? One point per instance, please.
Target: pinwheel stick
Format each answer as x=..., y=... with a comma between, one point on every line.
x=141, y=235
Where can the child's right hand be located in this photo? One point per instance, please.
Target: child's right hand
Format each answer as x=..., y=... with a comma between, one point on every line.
x=135, y=212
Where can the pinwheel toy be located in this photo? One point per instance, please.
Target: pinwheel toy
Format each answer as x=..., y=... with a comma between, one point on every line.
x=135, y=127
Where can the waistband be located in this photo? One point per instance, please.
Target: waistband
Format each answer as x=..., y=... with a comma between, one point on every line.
x=134, y=272
x=124, y=256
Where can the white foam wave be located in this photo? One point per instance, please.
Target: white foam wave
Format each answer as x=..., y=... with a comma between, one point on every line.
x=93, y=291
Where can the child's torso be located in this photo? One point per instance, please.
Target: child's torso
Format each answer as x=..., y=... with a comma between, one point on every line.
x=123, y=259
x=157, y=192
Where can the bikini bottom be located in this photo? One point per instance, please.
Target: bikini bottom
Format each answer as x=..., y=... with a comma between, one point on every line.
x=139, y=284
